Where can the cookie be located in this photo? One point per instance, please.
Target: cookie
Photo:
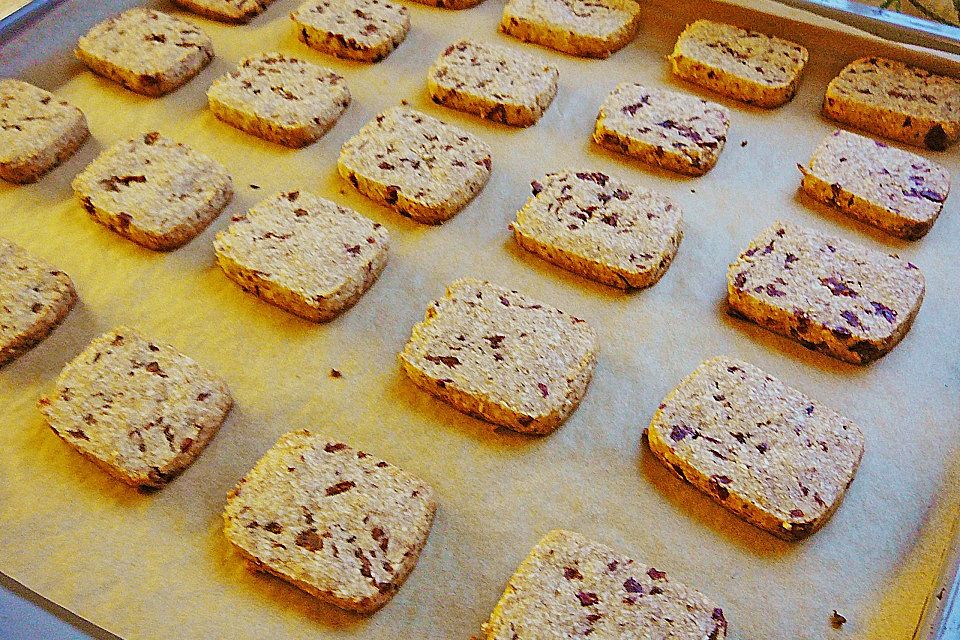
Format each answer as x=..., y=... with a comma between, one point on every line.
x=502, y=357
x=146, y=51
x=739, y=63
x=663, y=128
x=139, y=409
x=154, y=191
x=38, y=131
x=573, y=587
x=586, y=28
x=337, y=522
x=424, y=168
x=280, y=99
x=827, y=293
x=304, y=254
x=601, y=228
x=899, y=192
x=237, y=11
x=493, y=82
x=760, y=448
x=896, y=101
x=365, y=30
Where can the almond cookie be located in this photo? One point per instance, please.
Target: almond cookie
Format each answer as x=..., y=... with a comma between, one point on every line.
x=159, y=193
x=663, y=128
x=896, y=101
x=899, y=192
x=587, y=28
x=738, y=63
x=139, y=409
x=572, y=587
x=827, y=293
x=601, y=228
x=502, y=357
x=146, y=51
x=424, y=168
x=760, y=448
x=280, y=99
x=37, y=131
x=238, y=11
x=337, y=522
x=365, y=30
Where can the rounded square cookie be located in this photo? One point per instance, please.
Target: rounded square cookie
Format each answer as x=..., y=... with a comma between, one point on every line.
x=365, y=30
x=237, y=11
x=587, y=28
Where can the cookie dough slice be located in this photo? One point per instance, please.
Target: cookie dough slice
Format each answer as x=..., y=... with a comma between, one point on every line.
x=738, y=63
x=139, y=409
x=424, y=168
x=365, y=30
x=159, y=193
x=237, y=11
x=663, y=128
x=827, y=293
x=337, y=522
x=146, y=51
x=899, y=192
x=587, y=28
x=573, y=587
x=601, y=228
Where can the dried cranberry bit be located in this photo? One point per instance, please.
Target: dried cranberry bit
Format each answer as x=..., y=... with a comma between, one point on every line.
x=340, y=487
x=796, y=513
x=632, y=586
x=679, y=432
x=333, y=447
x=655, y=574
x=309, y=540
x=572, y=573
x=544, y=390
x=450, y=361
x=587, y=598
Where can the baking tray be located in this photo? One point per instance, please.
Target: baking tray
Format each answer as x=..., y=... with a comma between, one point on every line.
x=155, y=565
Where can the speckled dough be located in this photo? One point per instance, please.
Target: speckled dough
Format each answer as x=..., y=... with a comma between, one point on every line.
x=239, y=11
x=336, y=522
x=146, y=51
x=138, y=409
x=601, y=228
x=760, y=448
x=572, y=587
x=159, y=193
x=663, y=128
x=365, y=30
x=899, y=192
x=741, y=64
x=588, y=28
x=827, y=293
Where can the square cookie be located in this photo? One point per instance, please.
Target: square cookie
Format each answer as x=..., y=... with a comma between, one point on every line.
x=35, y=297
x=139, y=409
x=739, y=63
x=827, y=293
x=280, y=99
x=493, y=82
x=587, y=28
x=304, y=254
x=146, y=51
x=159, y=193
x=237, y=11
x=337, y=522
x=38, y=131
x=663, y=128
x=502, y=357
x=573, y=587
x=601, y=228
x=760, y=448
x=424, y=168
x=365, y=30
x=899, y=192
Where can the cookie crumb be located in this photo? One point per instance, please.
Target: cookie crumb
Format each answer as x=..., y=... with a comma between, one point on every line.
x=336, y=373
x=743, y=143
x=837, y=620
x=254, y=186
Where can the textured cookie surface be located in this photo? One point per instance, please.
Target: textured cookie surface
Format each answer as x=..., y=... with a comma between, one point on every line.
x=281, y=99
x=667, y=129
x=572, y=587
x=760, y=448
x=38, y=131
x=335, y=521
x=494, y=82
x=589, y=28
x=825, y=292
x=139, y=409
x=366, y=30
x=424, y=168
x=146, y=51
x=500, y=356
x=739, y=63
x=304, y=254
x=226, y=10
x=896, y=101
x=899, y=192
x=601, y=228
x=154, y=191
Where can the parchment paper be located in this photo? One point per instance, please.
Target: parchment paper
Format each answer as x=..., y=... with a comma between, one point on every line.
x=156, y=565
